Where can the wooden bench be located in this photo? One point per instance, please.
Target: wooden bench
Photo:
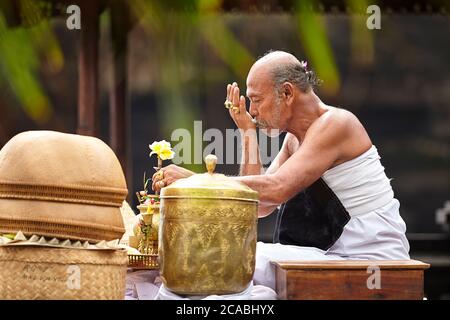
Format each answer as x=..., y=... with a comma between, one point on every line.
x=350, y=279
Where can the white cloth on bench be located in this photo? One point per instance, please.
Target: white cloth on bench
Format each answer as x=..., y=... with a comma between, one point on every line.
x=252, y=292
x=267, y=252
x=147, y=285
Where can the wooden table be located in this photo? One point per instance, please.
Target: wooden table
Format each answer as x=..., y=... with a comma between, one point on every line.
x=350, y=279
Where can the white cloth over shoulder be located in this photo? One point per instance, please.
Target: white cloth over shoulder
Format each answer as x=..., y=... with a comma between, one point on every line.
x=376, y=230
x=361, y=183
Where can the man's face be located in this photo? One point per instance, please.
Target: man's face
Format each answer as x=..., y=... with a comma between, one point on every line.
x=264, y=104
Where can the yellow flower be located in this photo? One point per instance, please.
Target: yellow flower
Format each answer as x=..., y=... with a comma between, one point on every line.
x=162, y=149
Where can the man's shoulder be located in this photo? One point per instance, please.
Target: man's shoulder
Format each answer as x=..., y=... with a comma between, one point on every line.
x=341, y=128
x=338, y=117
x=335, y=123
x=338, y=123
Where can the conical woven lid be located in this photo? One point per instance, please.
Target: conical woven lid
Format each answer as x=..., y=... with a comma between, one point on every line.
x=61, y=185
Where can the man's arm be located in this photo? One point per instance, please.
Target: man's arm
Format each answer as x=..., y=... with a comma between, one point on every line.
x=250, y=158
x=320, y=149
x=284, y=153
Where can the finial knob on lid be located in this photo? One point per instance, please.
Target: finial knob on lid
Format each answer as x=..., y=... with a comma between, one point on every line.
x=211, y=161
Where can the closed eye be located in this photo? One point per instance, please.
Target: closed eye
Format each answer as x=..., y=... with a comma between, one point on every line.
x=255, y=99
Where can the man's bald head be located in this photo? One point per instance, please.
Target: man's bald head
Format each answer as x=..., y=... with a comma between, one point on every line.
x=275, y=58
x=281, y=67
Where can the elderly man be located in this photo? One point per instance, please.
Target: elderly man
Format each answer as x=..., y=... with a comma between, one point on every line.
x=334, y=198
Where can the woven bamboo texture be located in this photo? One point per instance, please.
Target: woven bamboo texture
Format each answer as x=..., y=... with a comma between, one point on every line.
x=53, y=273
x=59, y=228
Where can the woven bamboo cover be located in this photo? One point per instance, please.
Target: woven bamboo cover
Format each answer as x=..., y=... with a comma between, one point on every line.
x=53, y=273
x=61, y=185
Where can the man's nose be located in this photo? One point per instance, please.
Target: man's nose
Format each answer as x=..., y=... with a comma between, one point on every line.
x=252, y=110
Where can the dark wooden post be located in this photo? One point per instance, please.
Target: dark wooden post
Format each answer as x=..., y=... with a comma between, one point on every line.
x=88, y=69
x=119, y=111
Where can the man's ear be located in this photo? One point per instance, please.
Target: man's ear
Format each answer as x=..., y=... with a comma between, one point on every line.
x=288, y=92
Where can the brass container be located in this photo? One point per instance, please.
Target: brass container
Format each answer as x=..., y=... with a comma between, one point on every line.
x=207, y=238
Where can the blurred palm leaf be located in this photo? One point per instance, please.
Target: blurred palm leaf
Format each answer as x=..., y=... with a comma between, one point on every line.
x=313, y=35
x=23, y=51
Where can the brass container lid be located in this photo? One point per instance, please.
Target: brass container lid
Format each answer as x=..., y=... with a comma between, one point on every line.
x=209, y=185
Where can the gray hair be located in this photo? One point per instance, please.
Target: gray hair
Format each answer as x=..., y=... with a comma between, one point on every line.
x=295, y=73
